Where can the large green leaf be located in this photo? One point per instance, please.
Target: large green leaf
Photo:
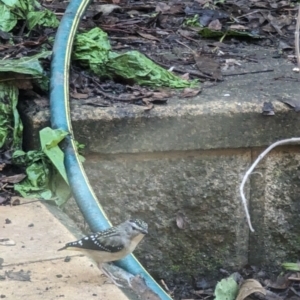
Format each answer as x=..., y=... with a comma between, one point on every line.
x=28, y=10
x=93, y=50
x=29, y=66
x=46, y=175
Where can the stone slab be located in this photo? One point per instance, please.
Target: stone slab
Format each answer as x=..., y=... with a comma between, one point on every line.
x=38, y=234
x=32, y=227
x=56, y=279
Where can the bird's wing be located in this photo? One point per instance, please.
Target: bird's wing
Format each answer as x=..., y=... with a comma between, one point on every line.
x=108, y=240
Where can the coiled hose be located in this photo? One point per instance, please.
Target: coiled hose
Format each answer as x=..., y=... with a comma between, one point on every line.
x=60, y=118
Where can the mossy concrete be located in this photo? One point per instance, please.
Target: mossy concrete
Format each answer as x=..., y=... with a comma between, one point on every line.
x=189, y=157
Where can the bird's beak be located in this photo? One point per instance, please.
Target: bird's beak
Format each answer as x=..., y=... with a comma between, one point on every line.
x=144, y=231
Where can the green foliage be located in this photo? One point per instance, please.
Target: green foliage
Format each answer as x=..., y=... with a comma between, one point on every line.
x=29, y=66
x=93, y=50
x=192, y=22
x=11, y=11
x=226, y=289
x=291, y=266
x=46, y=174
x=10, y=124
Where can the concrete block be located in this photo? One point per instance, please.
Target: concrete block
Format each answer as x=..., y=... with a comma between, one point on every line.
x=275, y=208
x=203, y=187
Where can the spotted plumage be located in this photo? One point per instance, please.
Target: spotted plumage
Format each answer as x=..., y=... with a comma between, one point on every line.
x=113, y=243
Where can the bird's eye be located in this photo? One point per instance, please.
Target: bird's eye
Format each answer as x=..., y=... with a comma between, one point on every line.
x=133, y=228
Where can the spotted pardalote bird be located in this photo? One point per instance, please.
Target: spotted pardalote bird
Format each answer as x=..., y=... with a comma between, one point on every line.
x=111, y=244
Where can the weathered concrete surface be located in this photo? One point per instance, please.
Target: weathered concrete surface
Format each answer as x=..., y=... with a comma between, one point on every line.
x=179, y=126
x=155, y=187
x=157, y=163
x=37, y=235
x=275, y=207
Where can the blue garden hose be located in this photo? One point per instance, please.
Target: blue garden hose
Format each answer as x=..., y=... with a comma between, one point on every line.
x=61, y=119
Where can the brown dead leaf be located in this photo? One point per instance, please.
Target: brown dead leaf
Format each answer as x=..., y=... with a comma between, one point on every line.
x=106, y=9
x=159, y=97
x=13, y=179
x=79, y=95
x=208, y=65
x=162, y=7
x=189, y=92
x=148, y=36
x=215, y=25
x=238, y=27
x=281, y=283
x=249, y=287
x=185, y=76
x=148, y=104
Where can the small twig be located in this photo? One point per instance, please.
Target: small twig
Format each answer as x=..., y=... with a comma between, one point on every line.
x=297, y=52
x=294, y=278
x=260, y=157
x=164, y=285
x=250, y=72
x=175, y=69
x=186, y=46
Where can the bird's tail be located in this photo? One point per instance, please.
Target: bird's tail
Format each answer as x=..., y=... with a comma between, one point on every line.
x=63, y=248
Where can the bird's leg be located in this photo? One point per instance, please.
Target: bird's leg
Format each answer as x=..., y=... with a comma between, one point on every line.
x=109, y=275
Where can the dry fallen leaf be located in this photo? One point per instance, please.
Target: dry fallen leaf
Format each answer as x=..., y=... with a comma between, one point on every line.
x=215, y=25
x=249, y=287
x=189, y=92
x=208, y=65
x=13, y=179
x=162, y=7
x=185, y=76
x=281, y=283
x=148, y=36
x=79, y=95
x=106, y=9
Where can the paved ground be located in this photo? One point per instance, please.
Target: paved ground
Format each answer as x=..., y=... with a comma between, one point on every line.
x=33, y=269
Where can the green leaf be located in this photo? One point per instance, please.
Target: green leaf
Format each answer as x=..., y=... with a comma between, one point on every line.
x=137, y=67
x=192, y=22
x=291, y=266
x=29, y=66
x=92, y=49
x=50, y=139
x=209, y=33
x=43, y=179
x=28, y=10
x=226, y=289
x=44, y=18
x=38, y=171
x=11, y=127
x=8, y=20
